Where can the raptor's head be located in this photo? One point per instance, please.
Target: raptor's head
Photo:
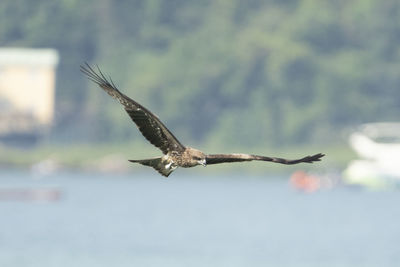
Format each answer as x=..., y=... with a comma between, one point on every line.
x=196, y=157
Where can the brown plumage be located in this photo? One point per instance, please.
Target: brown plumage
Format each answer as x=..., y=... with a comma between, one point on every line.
x=175, y=154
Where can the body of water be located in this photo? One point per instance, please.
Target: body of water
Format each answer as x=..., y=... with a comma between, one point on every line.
x=139, y=220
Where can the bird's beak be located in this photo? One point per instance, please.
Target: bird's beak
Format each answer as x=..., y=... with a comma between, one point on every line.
x=202, y=162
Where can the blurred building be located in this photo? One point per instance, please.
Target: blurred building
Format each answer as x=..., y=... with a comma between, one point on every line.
x=27, y=89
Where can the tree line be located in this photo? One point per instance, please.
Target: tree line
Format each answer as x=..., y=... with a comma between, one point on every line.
x=259, y=72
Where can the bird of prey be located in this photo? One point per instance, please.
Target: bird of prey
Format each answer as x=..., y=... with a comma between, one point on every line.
x=175, y=154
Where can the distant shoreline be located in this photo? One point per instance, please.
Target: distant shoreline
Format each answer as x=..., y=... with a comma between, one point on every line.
x=114, y=158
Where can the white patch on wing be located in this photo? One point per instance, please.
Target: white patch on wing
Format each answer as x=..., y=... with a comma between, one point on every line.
x=243, y=156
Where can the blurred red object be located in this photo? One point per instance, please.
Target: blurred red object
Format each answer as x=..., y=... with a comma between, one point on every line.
x=304, y=182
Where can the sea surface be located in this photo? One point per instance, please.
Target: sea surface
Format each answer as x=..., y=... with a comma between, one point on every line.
x=214, y=220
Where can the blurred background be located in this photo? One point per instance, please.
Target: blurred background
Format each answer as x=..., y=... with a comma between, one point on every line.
x=276, y=78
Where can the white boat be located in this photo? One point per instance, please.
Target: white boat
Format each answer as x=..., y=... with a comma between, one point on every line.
x=378, y=145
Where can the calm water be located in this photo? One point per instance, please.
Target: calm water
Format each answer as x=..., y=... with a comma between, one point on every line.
x=195, y=221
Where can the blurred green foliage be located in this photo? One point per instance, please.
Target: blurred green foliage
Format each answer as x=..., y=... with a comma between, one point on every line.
x=224, y=73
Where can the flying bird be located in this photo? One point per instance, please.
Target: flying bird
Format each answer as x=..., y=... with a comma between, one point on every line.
x=175, y=154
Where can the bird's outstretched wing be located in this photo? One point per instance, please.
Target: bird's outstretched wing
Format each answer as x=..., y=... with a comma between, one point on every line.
x=224, y=158
x=149, y=124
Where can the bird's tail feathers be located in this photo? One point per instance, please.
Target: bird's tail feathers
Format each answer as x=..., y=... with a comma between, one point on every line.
x=156, y=163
